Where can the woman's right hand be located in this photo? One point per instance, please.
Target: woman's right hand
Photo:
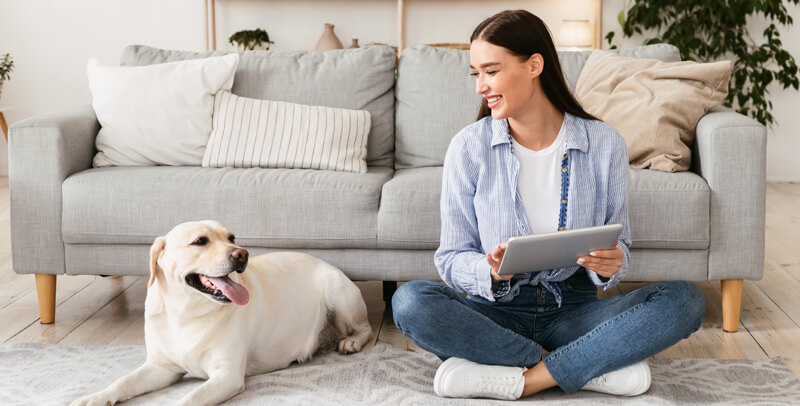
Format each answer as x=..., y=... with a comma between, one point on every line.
x=494, y=259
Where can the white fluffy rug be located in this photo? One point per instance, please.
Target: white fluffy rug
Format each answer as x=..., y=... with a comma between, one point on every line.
x=40, y=374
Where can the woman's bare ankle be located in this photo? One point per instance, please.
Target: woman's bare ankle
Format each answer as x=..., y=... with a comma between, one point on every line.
x=537, y=379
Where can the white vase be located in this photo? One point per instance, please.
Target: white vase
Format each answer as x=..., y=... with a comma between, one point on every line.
x=1, y=89
x=328, y=40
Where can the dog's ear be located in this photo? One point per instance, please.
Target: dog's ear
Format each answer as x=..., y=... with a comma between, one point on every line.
x=155, y=252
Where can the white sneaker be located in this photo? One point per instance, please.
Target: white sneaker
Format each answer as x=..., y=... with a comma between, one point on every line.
x=629, y=381
x=460, y=378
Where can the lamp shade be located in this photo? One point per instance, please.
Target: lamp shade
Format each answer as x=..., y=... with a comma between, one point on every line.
x=575, y=33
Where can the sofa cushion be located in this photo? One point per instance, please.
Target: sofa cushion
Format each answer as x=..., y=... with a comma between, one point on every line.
x=171, y=121
x=409, y=212
x=279, y=208
x=665, y=211
x=250, y=133
x=572, y=62
x=655, y=105
x=668, y=210
x=356, y=79
x=436, y=97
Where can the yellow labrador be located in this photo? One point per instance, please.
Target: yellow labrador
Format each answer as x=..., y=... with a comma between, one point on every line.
x=212, y=314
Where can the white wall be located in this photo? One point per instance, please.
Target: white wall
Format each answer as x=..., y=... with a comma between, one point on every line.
x=51, y=41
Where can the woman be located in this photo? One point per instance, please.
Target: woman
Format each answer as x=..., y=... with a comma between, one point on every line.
x=535, y=162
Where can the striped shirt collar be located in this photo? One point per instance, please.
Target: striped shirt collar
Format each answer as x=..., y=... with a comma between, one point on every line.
x=576, y=133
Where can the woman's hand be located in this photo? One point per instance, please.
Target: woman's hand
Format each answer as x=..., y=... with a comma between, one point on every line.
x=494, y=260
x=603, y=262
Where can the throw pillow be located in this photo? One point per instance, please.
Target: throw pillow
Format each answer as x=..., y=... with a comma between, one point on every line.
x=273, y=134
x=156, y=114
x=654, y=105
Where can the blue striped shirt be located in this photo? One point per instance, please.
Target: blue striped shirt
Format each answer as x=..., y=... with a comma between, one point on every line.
x=481, y=206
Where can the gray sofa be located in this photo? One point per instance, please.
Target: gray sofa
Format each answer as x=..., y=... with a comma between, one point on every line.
x=69, y=218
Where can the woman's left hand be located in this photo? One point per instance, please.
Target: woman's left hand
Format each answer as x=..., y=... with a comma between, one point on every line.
x=603, y=262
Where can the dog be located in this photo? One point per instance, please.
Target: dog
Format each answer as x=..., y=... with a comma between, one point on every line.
x=213, y=314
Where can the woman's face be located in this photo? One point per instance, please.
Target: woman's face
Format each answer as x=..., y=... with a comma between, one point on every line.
x=506, y=82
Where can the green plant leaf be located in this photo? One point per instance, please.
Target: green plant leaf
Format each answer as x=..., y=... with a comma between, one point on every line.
x=709, y=30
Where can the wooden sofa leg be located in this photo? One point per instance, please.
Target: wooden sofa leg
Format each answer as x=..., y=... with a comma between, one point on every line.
x=731, y=304
x=46, y=291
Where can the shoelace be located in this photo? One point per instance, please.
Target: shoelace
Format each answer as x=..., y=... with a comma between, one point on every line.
x=599, y=379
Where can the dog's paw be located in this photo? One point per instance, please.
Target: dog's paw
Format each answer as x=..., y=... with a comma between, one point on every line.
x=348, y=346
x=95, y=399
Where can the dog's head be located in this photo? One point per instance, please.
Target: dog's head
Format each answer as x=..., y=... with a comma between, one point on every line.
x=201, y=258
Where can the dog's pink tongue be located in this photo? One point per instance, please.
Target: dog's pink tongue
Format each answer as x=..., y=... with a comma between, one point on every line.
x=232, y=290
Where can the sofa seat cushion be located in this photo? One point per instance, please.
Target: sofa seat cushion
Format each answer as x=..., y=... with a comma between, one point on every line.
x=666, y=210
x=279, y=208
x=409, y=212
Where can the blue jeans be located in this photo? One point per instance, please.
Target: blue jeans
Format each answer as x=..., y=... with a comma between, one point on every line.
x=586, y=337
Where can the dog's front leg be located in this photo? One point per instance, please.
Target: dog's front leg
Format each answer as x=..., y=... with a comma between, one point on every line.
x=146, y=378
x=223, y=383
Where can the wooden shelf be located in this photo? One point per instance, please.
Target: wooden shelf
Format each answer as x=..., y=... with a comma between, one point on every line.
x=210, y=28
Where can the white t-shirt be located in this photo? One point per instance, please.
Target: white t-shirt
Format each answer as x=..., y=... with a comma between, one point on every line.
x=539, y=183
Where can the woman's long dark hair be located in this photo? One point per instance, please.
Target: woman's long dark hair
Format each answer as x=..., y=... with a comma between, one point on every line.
x=524, y=34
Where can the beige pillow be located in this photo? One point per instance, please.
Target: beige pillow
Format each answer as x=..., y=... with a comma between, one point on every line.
x=654, y=105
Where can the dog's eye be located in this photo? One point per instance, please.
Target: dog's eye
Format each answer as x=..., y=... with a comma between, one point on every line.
x=232, y=238
x=200, y=241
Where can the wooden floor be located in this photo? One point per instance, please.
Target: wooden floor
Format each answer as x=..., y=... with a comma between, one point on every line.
x=96, y=310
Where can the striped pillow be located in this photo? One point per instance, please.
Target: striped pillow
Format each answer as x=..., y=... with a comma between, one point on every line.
x=251, y=133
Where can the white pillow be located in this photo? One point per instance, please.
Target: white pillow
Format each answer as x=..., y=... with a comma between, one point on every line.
x=156, y=114
x=273, y=134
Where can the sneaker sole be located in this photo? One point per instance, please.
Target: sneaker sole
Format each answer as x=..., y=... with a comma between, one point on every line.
x=443, y=369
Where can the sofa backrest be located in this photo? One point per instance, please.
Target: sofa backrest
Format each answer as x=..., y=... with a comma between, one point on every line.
x=436, y=97
x=359, y=79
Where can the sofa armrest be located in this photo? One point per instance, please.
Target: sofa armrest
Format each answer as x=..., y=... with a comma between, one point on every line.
x=730, y=155
x=42, y=152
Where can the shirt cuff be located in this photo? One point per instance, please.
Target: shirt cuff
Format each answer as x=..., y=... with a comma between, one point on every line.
x=484, y=279
x=605, y=282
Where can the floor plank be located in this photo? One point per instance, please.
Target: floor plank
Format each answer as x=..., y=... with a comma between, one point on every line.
x=114, y=319
x=72, y=312
x=775, y=332
x=24, y=312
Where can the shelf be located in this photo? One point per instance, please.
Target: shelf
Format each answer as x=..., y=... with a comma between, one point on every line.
x=210, y=29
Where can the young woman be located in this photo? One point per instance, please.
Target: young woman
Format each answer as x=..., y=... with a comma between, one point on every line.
x=535, y=162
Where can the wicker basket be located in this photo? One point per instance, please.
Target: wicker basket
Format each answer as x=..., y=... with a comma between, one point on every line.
x=450, y=45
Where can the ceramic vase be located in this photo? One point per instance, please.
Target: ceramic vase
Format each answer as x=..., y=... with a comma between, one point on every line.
x=355, y=43
x=328, y=40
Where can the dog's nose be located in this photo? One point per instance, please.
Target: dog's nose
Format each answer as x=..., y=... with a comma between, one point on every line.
x=239, y=255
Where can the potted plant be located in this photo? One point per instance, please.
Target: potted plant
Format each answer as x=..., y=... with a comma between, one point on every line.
x=248, y=40
x=717, y=29
x=6, y=67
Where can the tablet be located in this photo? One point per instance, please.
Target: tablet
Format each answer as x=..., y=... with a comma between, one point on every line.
x=560, y=249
